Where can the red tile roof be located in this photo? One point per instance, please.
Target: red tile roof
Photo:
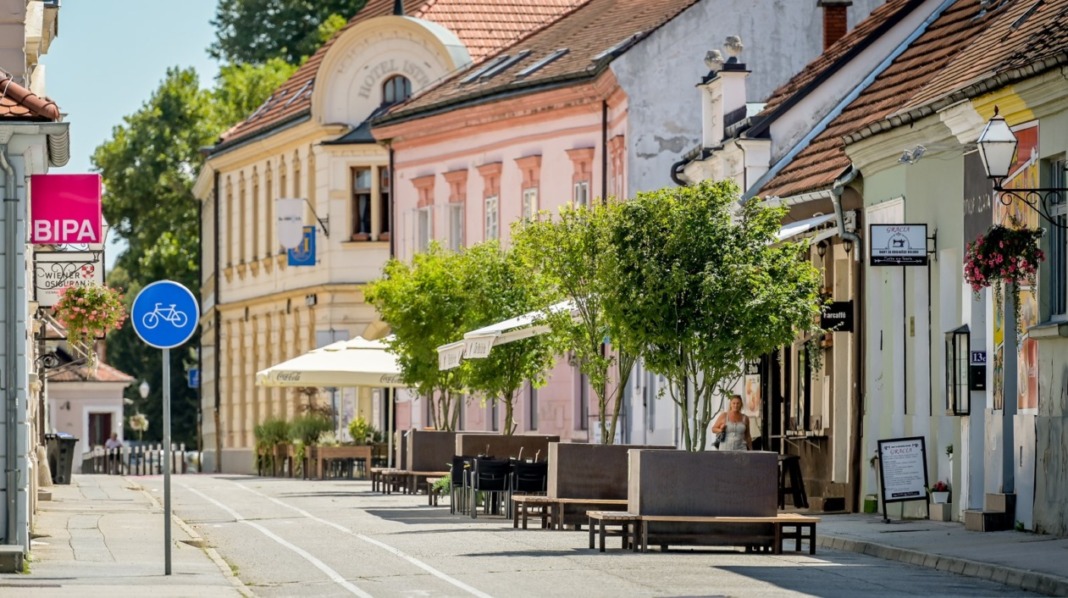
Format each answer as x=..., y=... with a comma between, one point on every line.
x=19, y=103
x=588, y=31
x=484, y=26
x=103, y=373
x=959, y=49
x=856, y=40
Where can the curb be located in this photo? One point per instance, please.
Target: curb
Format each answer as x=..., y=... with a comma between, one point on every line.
x=1031, y=581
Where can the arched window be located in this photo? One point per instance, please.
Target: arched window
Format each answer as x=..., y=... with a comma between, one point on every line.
x=396, y=89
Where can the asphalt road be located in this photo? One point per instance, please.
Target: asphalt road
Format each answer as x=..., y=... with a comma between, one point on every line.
x=337, y=538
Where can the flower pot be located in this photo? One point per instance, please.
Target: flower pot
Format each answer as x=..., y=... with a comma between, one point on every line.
x=871, y=504
x=939, y=498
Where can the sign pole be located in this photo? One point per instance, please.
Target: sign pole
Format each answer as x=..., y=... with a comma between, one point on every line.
x=165, y=315
x=167, y=460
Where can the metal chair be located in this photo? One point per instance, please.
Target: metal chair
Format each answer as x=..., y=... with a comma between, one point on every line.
x=460, y=473
x=492, y=478
x=529, y=478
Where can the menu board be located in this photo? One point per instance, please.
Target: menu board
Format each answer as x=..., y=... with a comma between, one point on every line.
x=903, y=469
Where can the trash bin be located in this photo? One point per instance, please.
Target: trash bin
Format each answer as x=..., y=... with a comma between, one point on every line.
x=60, y=448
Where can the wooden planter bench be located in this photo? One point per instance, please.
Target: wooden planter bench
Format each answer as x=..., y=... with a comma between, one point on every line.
x=605, y=523
x=784, y=526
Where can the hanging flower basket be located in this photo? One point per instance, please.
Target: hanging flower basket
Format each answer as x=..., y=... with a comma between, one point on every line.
x=1004, y=255
x=89, y=312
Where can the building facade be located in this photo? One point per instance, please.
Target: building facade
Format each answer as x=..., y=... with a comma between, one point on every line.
x=310, y=141
x=599, y=104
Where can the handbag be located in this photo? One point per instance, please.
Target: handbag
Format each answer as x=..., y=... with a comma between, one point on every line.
x=720, y=438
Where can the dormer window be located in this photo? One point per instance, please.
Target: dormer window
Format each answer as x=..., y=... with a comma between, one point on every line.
x=396, y=89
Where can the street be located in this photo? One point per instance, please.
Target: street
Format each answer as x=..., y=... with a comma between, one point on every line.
x=333, y=538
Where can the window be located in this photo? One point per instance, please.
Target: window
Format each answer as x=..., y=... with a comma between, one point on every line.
x=532, y=395
x=582, y=194
x=530, y=203
x=396, y=89
x=422, y=236
x=383, y=203
x=361, y=204
x=492, y=219
x=1058, y=244
x=456, y=226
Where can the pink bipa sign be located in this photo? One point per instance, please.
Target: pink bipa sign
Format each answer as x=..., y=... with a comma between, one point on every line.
x=65, y=209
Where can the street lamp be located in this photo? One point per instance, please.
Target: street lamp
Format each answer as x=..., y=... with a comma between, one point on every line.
x=143, y=389
x=997, y=149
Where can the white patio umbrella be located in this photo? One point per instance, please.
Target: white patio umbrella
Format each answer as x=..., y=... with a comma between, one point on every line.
x=355, y=362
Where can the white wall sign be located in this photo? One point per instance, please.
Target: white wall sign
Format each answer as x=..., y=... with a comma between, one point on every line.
x=898, y=244
x=903, y=469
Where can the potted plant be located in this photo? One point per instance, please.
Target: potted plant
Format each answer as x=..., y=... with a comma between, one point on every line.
x=939, y=492
x=1004, y=255
x=89, y=312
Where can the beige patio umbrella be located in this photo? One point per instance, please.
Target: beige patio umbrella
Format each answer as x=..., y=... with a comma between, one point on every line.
x=355, y=362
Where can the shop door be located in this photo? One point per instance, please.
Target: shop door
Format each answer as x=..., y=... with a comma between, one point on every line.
x=99, y=429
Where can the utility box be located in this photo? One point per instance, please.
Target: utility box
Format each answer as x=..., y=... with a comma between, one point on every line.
x=60, y=448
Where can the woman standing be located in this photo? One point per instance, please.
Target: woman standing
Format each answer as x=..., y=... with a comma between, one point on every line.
x=737, y=426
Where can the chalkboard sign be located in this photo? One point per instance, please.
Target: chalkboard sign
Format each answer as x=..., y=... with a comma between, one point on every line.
x=903, y=470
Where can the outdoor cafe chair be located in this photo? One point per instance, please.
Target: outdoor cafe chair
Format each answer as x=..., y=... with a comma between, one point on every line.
x=460, y=474
x=529, y=478
x=492, y=478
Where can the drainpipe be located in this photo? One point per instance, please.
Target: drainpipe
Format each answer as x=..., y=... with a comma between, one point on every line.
x=604, y=156
x=217, y=314
x=857, y=425
x=11, y=364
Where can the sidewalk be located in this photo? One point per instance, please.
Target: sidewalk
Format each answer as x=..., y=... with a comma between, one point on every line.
x=103, y=536
x=1019, y=559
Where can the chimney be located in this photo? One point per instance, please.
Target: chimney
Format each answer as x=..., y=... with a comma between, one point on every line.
x=834, y=20
x=723, y=92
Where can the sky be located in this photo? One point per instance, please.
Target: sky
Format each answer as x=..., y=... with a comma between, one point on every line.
x=108, y=58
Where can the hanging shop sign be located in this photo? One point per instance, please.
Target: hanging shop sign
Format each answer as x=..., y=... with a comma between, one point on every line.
x=54, y=271
x=837, y=316
x=65, y=209
x=304, y=253
x=898, y=244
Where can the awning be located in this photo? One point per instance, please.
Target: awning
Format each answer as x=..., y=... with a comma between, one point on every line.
x=478, y=343
x=803, y=226
x=449, y=355
x=355, y=362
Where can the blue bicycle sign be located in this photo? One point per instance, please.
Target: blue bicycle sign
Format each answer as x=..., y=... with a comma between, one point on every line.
x=165, y=314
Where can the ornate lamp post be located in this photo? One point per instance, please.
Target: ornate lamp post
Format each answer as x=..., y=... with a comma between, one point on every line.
x=997, y=148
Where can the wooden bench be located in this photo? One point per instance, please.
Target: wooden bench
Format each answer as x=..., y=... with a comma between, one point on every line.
x=525, y=505
x=795, y=526
x=557, y=506
x=628, y=525
x=417, y=479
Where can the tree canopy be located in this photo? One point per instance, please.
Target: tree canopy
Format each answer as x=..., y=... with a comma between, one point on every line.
x=570, y=250
x=255, y=31
x=500, y=287
x=701, y=284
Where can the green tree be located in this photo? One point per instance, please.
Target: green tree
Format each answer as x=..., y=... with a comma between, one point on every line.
x=499, y=287
x=426, y=305
x=571, y=251
x=149, y=167
x=701, y=285
x=256, y=31
x=242, y=88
